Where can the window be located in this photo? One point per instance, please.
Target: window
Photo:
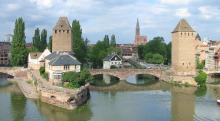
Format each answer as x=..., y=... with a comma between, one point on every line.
x=183, y=64
x=55, y=31
x=67, y=31
x=59, y=30
x=66, y=67
x=63, y=30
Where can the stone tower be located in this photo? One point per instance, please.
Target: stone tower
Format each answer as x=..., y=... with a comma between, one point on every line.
x=62, y=36
x=184, y=49
x=139, y=40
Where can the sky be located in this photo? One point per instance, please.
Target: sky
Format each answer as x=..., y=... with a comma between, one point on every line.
x=100, y=17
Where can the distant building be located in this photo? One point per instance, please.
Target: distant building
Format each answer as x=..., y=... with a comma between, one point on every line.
x=62, y=36
x=5, y=53
x=112, y=60
x=184, y=42
x=128, y=51
x=59, y=62
x=212, y=62
x=139, y=40
x=37, y=59
x=29, y=45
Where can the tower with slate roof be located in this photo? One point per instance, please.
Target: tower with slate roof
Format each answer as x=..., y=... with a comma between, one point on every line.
x=184, y=41
x=62, y=36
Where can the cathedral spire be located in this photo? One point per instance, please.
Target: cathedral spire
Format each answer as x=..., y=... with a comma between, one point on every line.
x=137, y=28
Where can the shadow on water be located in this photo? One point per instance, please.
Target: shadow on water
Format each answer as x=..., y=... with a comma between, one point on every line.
x=142, y=79
x=5, y=75
x=103, y=80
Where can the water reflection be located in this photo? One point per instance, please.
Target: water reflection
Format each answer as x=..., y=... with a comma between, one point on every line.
x=18, y=104
x=53, y=113
x=142, y=79
x=174, y=104
x=4, y=82
x=104, y=80
x=182, y=104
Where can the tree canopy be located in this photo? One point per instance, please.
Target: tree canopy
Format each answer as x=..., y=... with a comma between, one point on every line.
x=78, y=44
x=18, y=49
x=155, y=49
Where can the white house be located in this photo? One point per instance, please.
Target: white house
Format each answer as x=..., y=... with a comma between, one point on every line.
x=36, y=59
x=112, y=60
x=59, y=62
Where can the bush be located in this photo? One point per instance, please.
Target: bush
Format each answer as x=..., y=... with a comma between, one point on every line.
x=76, y=79
x=154, y=58
x=201, y=78
x=43, y=73
x=42, y=70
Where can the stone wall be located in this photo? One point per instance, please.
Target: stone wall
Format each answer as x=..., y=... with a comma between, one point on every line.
x=59, y=96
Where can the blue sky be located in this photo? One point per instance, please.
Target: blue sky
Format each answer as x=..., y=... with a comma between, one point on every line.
x=100, y=17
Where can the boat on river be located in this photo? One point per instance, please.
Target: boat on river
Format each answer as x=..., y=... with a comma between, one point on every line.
x=218, y=101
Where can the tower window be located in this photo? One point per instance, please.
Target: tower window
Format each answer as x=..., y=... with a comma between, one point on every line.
x=55, y=31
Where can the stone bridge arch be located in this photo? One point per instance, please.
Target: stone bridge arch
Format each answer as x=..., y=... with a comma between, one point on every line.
x=12, y=72
x=123, y=74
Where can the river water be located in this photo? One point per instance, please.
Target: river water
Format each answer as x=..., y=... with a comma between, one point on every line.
x=163, y=104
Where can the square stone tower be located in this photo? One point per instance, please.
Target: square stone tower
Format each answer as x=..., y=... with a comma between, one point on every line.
x=62, y=36
x=184, y=49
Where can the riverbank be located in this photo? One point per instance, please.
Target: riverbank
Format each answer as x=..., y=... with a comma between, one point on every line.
x=33, y=86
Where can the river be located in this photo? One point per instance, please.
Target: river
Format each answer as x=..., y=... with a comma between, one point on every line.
x=172, y=104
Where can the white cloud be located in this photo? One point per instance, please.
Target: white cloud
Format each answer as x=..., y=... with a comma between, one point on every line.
x=176, y=2
x=183, y=12
x=209, y=12
x=12, y=7
x=43, y=3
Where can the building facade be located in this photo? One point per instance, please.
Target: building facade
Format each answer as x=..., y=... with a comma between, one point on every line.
x=184, y=44
x=5, y=53
x=58, y=63
x=139, y=40
x=112, y=60
x=37, y=59
x=62, y=36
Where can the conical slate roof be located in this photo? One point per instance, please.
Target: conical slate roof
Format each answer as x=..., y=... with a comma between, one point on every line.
x=62, y=24
x=183, y=26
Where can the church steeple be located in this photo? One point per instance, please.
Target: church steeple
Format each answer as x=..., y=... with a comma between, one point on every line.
x=137, y=28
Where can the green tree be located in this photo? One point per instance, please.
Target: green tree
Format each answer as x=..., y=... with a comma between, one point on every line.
x=36, y=40
x=169, y=51
x=201, y=78
x=141, y=51
x=50, y=44
x=113, y=41
x=43, y=40
x=18, y=49
x=106, y=41
x=79, y=46
x=154, y=58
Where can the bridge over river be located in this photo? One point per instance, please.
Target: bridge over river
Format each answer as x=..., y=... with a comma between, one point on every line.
x=123, y=74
